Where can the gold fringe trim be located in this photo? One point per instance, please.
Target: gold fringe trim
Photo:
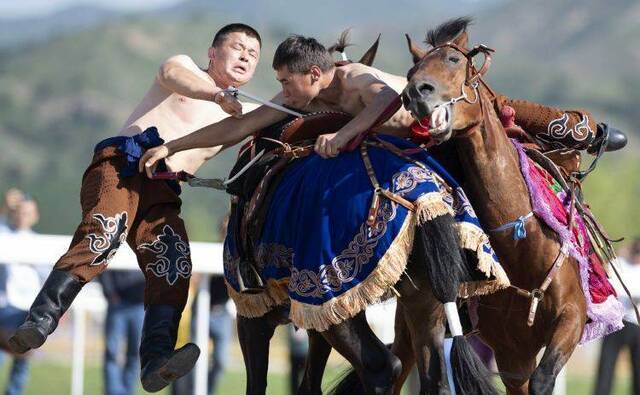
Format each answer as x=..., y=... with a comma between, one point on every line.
x=431, y=206
x=386, y=274
x=472, y=238
x=259, y=304
x=378, y=284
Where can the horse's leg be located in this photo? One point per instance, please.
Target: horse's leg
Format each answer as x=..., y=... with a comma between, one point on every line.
x=254, y=335
x=402, y=348
x=425, y=319
x=566, y=336
x=319, y=351
x=376, y=366
x=515, y=367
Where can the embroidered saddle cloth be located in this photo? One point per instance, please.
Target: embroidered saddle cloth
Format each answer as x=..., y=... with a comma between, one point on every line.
x=318, y=251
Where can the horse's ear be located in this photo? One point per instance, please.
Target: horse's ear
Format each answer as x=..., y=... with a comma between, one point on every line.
x=461, y=39
x=370, y=55
x=416, y=52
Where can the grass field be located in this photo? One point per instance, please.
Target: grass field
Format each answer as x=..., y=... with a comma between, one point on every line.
x=49, y=378
x=51, y=367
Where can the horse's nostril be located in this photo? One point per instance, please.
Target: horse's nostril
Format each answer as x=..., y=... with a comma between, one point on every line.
x=425, y=88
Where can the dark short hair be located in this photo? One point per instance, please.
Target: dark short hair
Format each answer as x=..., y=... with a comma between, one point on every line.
x=233, y=28
x=299, y=53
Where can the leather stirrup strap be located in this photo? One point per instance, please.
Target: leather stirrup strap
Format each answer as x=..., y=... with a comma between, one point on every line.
x=378, y=191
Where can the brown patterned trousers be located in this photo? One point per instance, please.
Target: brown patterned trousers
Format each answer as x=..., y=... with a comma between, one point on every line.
x=146, y=214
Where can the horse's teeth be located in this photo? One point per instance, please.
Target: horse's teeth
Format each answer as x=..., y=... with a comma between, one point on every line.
x=439, y=118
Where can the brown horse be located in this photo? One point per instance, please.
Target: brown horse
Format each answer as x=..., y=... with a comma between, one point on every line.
x=444, y=79
x=435, y=245
x=255, y=333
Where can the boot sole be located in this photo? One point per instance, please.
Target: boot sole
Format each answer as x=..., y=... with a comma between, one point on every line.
x=177, y=366
x=26, y=339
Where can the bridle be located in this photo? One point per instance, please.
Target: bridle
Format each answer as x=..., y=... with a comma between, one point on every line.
x=473, y=75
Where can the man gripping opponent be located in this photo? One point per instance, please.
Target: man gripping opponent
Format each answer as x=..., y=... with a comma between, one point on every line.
x=118, y=204
x=311, y=81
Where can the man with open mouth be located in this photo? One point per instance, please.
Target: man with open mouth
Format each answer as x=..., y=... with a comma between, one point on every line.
x=120, y=205
x=365, y=92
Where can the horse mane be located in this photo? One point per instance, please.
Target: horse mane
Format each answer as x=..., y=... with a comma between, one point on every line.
x=342, y=43
x=448, y=31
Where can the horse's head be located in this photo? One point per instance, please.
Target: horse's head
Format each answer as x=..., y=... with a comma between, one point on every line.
x=443, y=84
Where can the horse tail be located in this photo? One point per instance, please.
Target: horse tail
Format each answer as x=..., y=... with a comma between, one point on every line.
x=437, y=244
x=341, y=44
x=470, y=375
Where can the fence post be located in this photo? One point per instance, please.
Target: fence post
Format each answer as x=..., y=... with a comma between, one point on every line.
x=78, y=336
x=202, y=335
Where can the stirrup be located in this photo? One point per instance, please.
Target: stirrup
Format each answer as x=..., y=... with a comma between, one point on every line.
x=251, y=289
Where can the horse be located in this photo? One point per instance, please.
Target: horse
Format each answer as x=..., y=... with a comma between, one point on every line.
x=255, y=333
x=435, y=245
x=445, y=79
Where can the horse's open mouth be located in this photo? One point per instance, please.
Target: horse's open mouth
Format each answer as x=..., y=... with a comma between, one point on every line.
x=438, y=122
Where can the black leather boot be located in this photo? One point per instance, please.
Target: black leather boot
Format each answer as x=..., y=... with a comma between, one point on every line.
x=55, y=297
x=613, y=139
x=161, y=363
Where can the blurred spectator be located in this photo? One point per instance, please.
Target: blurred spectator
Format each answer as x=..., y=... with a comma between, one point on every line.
x=220, y=321
x=220, y=331
x=184, y=385
x=298, y=350
x=220, y=328
x=629, y=336
x=12, y=198
x=19, y=284
x=124, y=291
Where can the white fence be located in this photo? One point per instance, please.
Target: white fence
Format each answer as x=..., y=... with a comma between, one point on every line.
x=44, y=250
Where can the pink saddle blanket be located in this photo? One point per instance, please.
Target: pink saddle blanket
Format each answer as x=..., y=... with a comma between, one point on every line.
x=552, y=203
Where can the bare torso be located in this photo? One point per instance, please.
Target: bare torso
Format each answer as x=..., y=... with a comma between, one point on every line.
x=353, y=82
x=175, y=116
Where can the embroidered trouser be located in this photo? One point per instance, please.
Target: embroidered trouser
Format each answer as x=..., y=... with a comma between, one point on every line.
x=145, y=213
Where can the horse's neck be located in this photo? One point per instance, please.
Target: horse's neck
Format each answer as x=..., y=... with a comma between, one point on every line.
x=493, y=179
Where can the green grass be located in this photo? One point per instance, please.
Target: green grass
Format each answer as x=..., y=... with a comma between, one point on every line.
x=54, y=379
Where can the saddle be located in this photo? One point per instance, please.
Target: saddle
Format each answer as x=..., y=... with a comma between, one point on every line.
x=564, y=165
x=254, y=181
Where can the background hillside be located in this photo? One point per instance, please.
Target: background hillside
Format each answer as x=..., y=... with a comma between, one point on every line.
x=70, y=79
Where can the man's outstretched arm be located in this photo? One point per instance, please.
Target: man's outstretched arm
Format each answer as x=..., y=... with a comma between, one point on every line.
x=227, y=132
x=377, y=96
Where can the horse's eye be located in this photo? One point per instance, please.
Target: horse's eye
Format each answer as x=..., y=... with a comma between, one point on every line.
x=454, y=59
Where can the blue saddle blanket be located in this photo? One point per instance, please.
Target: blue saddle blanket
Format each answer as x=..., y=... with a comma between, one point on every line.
x=317, y=251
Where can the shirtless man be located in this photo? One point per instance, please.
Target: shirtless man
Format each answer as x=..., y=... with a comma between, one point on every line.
x=118, y=204
x=312, y=82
